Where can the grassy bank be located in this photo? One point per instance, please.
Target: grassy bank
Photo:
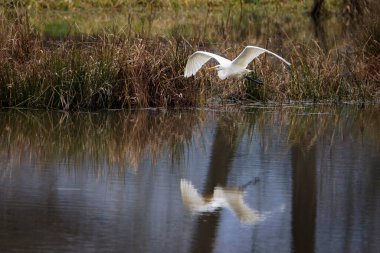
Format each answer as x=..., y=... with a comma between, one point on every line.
x=119, y=70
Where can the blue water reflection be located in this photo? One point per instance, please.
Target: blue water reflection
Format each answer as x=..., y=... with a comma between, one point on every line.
x=291, y=180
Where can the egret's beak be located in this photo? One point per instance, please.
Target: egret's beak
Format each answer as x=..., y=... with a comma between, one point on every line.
x=212, y=68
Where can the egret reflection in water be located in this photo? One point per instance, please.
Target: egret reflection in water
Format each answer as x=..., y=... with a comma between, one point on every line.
x=83, y=179
x=223, y=197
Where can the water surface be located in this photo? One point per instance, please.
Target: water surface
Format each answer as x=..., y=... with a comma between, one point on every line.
x=290, y=179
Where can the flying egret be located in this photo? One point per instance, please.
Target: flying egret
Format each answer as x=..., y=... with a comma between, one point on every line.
x=226, y=68
x=230, y=198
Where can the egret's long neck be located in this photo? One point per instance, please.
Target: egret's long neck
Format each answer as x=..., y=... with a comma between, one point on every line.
x=248, y=71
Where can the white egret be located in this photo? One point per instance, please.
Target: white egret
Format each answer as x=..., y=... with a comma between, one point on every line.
x=230, y=198
x=226, y=68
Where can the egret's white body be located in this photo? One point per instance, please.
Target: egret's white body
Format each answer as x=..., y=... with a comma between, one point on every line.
x=236, y=68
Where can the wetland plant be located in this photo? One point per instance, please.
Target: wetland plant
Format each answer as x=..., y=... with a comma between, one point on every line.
x=119, y=70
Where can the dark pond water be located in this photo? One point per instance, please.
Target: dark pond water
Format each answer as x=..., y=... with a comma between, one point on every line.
x=296, y=179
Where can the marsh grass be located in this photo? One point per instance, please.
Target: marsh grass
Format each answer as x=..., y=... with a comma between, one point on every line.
x=92, y=72
x=116, y=70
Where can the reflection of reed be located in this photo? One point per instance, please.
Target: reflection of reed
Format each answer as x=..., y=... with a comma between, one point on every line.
x=309, y=124
x=122, y=139
x=110, y=140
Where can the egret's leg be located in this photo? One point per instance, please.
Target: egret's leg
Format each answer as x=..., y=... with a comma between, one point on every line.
x=252, y=182
x=256, y=81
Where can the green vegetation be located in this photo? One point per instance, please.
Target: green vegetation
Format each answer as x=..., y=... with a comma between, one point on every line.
x=91, y=62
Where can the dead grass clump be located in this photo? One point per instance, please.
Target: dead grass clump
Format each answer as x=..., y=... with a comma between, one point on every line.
x=339, y=74
x=152, y=73
x=112, y=70
x=92, y=72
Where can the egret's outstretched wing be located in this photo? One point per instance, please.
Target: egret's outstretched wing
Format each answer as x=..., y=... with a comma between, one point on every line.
x=196, y=61
x=250, y=53
x=190, y=196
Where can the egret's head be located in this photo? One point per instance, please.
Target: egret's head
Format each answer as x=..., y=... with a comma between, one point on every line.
x=217, y=67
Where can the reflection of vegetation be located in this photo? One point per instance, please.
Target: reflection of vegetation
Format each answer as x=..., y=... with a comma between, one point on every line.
x=123, y=139
x=118, y=140
x=308, y=125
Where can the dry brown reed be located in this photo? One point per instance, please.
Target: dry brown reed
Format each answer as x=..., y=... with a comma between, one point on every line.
x=115, y=70
x=93, y=73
